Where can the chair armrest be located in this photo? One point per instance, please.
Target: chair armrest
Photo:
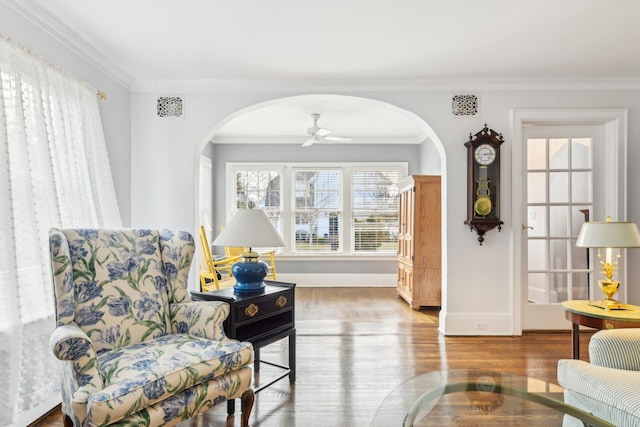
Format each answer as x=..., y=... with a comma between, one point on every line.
x=71, y=344
x=201, y=318
x=608, y=393
x=616, y=348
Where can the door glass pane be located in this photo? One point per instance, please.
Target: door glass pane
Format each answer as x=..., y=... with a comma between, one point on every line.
x=558, y=187
x=537, y=283
x=581, y=153
x=558, y=254
x=536, y=153
x=579, y=286
x=558, y=287
x=537, y=255
x=579, y=257
x=580, y=187
x=559, y=221
x=537, y=219
x=537, y=187
x=558, y=153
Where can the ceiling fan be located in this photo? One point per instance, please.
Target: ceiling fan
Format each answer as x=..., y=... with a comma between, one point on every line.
x=318, y=134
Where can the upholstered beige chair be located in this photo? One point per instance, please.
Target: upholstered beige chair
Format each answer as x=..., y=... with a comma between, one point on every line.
x=134, y=348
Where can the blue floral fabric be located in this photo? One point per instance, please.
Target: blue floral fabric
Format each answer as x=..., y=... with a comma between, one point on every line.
x=152, y=371
x=135, y=349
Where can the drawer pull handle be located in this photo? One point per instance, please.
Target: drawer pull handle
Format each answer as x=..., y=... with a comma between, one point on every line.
x=251, y=310
x=281, y=301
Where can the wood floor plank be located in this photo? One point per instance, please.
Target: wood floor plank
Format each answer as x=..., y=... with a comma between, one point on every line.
x=355, y=345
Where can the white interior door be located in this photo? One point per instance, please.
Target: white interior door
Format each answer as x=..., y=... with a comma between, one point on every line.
x=562, y=188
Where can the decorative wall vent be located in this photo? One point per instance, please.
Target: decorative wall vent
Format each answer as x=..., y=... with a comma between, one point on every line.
x=170, y=106
x=465, y=105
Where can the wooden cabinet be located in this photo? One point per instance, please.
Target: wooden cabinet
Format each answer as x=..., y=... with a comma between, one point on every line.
x=420, y=241
x=260, y=318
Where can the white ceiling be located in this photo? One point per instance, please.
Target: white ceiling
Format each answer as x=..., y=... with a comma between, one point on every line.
x=287, y=121
x=357, y=43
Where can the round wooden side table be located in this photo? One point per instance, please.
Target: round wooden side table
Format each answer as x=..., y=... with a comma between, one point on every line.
x=584, y=313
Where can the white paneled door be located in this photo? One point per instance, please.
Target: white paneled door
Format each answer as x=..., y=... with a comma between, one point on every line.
x=562, y=188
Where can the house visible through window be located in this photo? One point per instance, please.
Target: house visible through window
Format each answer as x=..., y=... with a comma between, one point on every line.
x=259, y=188
x=337, y=208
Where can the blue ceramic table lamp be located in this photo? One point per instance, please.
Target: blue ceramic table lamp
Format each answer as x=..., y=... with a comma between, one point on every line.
x=249, y=228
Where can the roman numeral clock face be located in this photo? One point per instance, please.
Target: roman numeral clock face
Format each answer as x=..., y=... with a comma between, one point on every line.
x=485, y=154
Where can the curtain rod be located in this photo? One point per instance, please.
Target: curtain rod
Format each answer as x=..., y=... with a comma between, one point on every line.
x=101, y=95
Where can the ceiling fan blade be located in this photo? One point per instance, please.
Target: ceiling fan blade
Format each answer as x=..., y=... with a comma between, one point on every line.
x=337, y=138
x=309, y=142
x=322, y=132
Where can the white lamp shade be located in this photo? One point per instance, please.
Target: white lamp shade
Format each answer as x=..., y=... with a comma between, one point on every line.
x=249, y=228
x=608, y=235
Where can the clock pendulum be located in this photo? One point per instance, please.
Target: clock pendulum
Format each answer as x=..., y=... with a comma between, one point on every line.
x=482, y=206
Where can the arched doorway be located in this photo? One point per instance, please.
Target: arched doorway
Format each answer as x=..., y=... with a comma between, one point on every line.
x=277, y=129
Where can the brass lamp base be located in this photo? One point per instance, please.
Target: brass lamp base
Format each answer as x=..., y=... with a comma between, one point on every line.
x=609, y=289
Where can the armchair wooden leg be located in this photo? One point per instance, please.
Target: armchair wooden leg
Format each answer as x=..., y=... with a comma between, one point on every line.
x=66, y=420
x=246, y=403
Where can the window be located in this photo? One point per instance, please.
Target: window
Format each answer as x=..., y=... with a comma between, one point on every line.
x=259, y=188
x=205, y=193
x=55, y=173
x=337, y=208
x=375, y=210
x=317, y=210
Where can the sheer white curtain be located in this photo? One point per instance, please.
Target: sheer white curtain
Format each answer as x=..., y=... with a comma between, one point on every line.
x=54, y=171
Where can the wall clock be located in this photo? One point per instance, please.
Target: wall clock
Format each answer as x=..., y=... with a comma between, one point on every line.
x=483, y=181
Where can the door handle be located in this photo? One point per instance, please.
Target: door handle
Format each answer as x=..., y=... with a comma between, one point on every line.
x=526, y=226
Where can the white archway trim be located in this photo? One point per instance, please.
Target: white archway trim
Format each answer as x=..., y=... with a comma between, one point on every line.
x=429, y=133
x=615, y=123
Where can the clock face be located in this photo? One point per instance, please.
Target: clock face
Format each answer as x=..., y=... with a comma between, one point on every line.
x=485, y=154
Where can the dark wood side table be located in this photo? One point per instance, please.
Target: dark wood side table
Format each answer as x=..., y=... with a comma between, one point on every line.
x=261, y=319
x=582, y=313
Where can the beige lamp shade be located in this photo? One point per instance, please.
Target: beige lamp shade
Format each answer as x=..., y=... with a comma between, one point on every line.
x=608, y=235
x=249, y=228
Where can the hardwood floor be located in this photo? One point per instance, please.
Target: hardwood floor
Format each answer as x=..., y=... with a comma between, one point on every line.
x=355, y=345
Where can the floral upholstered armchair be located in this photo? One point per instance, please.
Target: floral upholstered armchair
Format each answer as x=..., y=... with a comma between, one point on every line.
x=134, y=348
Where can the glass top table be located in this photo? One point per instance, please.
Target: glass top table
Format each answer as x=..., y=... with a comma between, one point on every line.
x=467, y=397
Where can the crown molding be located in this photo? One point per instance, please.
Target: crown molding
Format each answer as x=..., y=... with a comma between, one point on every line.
x=50, y=25
x=297, y=140
x=376, y=85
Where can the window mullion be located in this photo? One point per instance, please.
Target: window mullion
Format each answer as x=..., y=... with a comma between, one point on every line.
x=346, y=228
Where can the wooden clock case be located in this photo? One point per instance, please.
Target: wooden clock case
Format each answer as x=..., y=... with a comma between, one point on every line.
x=486, y=218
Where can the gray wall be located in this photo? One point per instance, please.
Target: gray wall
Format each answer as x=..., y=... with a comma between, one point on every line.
x=224, y=153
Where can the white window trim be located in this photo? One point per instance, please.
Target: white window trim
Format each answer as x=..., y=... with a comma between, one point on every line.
x=286, y=169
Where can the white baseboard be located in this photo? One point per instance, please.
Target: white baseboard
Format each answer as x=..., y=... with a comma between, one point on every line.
x=475, y=324
x=28, y=417
x=340, y=280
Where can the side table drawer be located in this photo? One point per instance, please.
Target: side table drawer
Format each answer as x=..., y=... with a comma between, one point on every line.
x=264, y=307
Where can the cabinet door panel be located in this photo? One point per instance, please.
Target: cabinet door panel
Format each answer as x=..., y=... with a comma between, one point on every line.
x=419, y=241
